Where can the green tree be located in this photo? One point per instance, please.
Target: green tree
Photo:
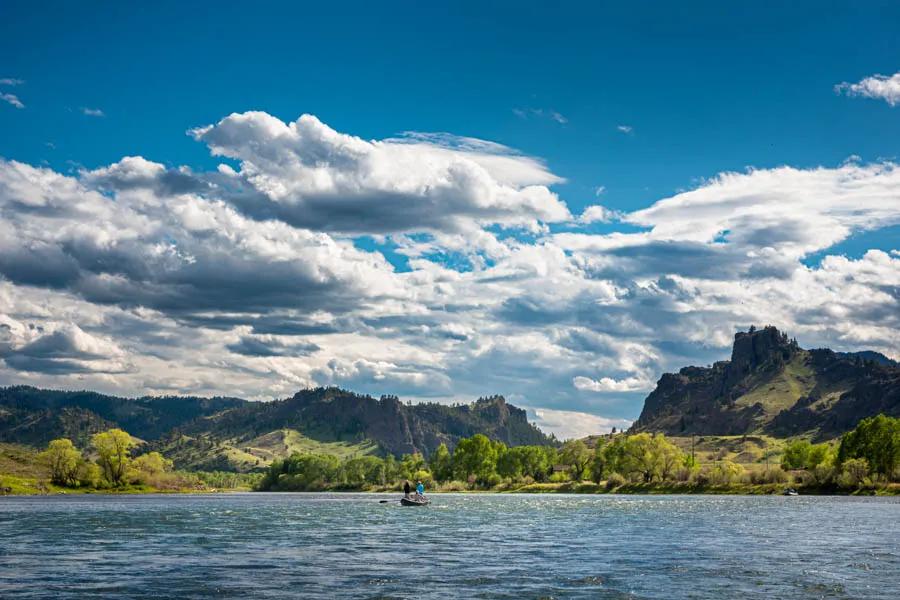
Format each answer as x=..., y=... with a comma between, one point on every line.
x=475, y=457
x=576, y=455
x=669, y=456
x=646, y=455
x=62, y=460
x=598, y=462
x=113, y=449
x=819, y=455
x=510, y=464
x=442, y=464
x=876, y=439
x=152, y=463
x=538, y=461
x=410, y=464
x=89, y=474
x=391, y=470
x=796, y=455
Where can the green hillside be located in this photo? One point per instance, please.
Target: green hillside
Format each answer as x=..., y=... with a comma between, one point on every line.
x=206, y=453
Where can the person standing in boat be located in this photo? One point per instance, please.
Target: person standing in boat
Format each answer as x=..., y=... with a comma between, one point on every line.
x=406, y=489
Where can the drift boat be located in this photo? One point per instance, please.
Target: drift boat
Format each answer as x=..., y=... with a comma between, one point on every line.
x=413, y=501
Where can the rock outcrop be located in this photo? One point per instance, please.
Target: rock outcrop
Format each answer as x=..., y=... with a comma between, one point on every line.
x=771, y=385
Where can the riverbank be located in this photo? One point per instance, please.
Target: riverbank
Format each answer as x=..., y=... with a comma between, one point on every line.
x=11, y=486
x=25, y=486
x=655, y=488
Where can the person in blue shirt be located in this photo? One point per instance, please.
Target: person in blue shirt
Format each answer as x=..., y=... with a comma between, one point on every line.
x=420, y=488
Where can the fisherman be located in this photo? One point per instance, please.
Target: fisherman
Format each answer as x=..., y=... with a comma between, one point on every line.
x=406, y=489
x=420, y=489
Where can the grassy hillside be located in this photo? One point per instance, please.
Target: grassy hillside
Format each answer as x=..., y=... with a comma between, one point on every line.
x=205, y=453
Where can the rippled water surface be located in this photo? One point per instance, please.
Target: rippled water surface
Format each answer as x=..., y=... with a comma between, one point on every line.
x=472, y=546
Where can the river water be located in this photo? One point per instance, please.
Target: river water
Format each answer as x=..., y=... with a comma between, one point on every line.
x=462, y=546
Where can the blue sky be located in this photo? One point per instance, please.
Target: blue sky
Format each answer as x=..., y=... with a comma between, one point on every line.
x=641, y=101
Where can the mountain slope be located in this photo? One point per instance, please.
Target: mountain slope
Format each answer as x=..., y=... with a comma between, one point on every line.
x=333, y=415
x=773, y=386
x=33, y=416
x=234, y=434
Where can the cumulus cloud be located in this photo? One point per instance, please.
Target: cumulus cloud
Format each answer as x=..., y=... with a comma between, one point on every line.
x=311, y=176
x=880, y=87
x=168, y=250
x=597, y=214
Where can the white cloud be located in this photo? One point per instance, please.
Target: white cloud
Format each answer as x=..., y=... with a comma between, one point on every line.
x=881, y=87
x=12, y=99
x=92, y=112
x=599, y=190
x=311, y=176
x=598, y=214
x=567, y=424
x=793, y=211
x=626, y=129
x=608, y=384
x=11, y=81
x=544, y=113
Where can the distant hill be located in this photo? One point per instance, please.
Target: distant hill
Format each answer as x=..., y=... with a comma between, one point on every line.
x=773, y=386
x=235, y=434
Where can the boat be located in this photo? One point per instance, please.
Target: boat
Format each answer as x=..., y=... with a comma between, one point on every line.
x=411, y=501
x=791, y=492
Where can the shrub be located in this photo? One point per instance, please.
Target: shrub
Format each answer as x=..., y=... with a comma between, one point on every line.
x=559, y=477
x=854, y=473
x=726, y=473
x=684, y=474
x=771, y=475
x=614, y=480
x=454, y=486
x=823, y=474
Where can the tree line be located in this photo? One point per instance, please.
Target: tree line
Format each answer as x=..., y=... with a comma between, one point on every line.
x=868, y=454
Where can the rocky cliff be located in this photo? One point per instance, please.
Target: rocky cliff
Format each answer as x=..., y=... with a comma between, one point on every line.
x=771, y=385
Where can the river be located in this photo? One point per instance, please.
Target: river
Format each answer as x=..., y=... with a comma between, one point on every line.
x=462, y=546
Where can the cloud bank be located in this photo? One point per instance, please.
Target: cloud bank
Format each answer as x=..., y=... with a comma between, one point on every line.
x=280, y=270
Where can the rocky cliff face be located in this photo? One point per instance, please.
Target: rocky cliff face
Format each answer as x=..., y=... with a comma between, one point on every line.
x=331, y=414
x=771, y=385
